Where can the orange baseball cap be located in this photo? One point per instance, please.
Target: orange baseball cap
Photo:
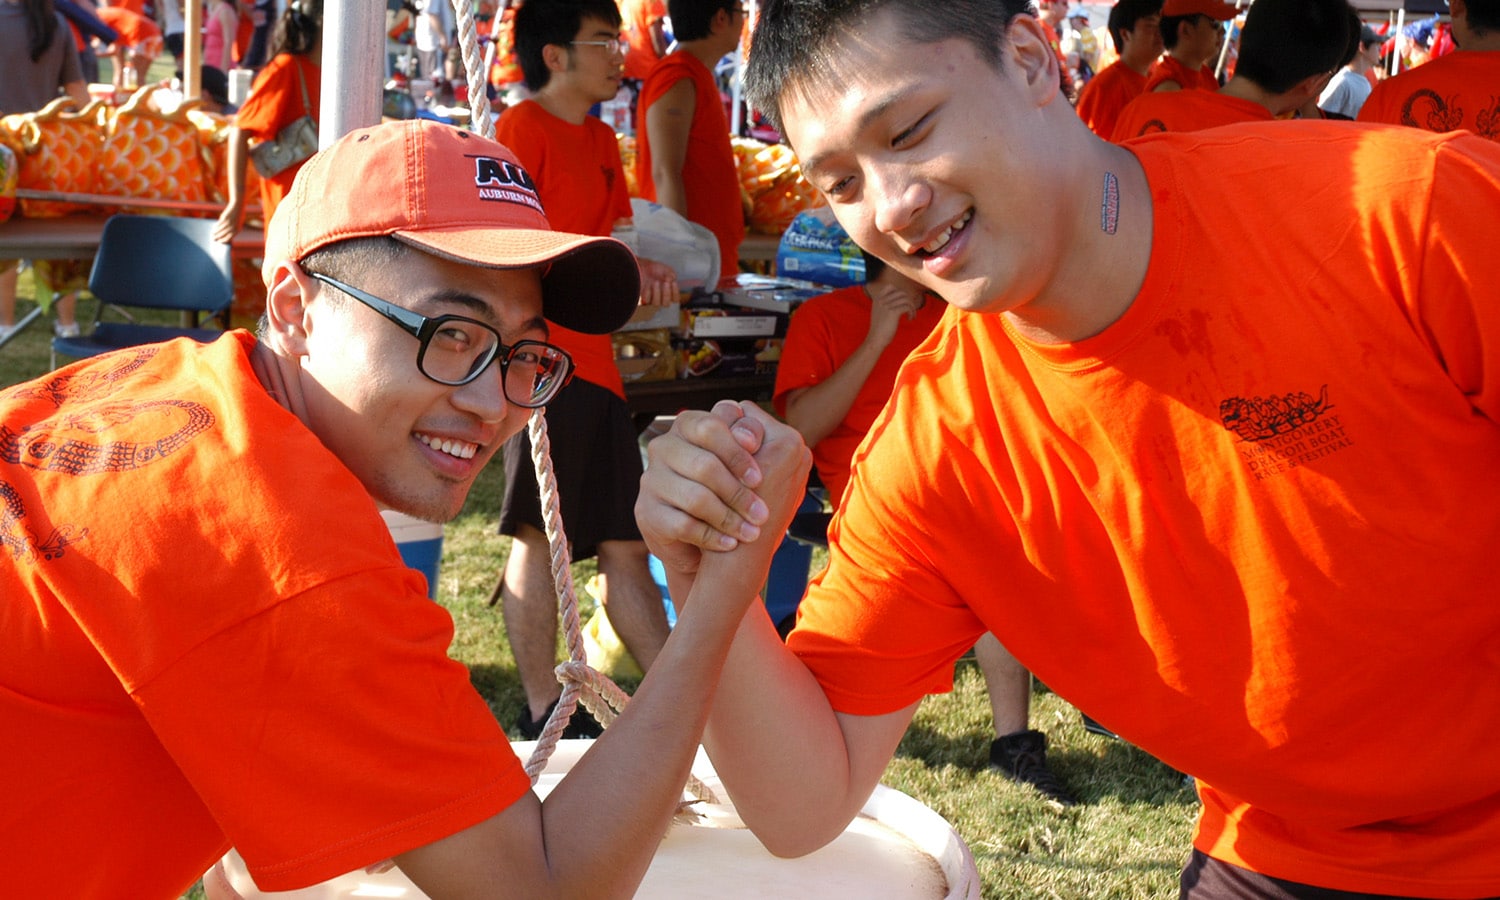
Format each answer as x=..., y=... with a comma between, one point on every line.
x=459, y=196
x=1215, y=8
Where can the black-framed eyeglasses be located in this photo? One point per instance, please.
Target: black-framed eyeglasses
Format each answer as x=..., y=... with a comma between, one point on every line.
x=613, y=45
x=455, y=350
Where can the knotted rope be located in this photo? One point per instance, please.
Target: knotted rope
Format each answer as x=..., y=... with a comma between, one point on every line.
x=603, y=698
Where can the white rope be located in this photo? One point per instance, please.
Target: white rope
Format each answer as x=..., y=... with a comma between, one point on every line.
x=603, y=699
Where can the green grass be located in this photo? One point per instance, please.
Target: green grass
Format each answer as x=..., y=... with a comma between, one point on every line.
x=1127, y=839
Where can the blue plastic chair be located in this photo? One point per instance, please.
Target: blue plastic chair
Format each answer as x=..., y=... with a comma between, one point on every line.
x=156, y=263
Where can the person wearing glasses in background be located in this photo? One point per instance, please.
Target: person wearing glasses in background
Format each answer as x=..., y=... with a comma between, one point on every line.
x=210, y=637
x=1192, y=31
x=684, y=158
x=571, y=56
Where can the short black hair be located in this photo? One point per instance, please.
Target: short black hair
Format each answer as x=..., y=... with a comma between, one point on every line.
x=1170, y=27
x=1483, y=15
x=1285, y=41
x=692, y=20
x=542, y=22
x=1124, y=15
x=795, y=39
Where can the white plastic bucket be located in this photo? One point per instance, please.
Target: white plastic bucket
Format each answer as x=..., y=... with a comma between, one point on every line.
x=895, y=848
x=420, y=543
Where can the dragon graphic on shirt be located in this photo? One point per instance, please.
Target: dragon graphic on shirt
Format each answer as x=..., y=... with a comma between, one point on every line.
x=100, y=433
x=1441, y=115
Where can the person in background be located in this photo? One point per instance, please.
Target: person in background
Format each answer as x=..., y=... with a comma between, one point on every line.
x=1173, y=448
x=1288, y=48
x=434, y=18
x=1192, y=32
x=684, y=159
x=1080, y=48
x=275, y=102
x=1453, y=91
x=260, y=15
x=220, y=25
x=173, y=24
x=1054, y=18
x=645, y=31
x=139, y=44
x=1135, y=29
x=571, y=54
x=838, y=366
x=1350, y=88
x=41, y=62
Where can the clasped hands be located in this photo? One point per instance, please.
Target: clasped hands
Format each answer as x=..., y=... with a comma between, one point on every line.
x=725, y=481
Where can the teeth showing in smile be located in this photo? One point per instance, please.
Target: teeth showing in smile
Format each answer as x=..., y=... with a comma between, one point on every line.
x=941, y=241
x=459, y=449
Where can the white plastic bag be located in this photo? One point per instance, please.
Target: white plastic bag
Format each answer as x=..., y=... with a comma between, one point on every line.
x=661, y=234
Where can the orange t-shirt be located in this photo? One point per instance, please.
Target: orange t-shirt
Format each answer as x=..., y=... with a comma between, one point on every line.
x=275, y=102
x=638, y=16
x=823, y=333
x=1169, y=68
x=211, y=641
x=710, y=175
x=135, y=29
x=1249, y=526
x=1101, y=100
x=1184, y=111
x=581, y=181
x=1451, y=92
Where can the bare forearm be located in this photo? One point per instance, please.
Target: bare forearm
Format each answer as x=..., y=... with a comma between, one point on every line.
x=817, y=410
x=670, y=191
x=597, y=831
x=236, y=161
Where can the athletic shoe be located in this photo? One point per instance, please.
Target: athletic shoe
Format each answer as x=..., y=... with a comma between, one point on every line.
x=1022, y=757
x=70, y=330
x=582, y=725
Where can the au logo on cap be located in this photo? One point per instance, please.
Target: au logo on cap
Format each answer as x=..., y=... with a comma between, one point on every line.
x=499, y=179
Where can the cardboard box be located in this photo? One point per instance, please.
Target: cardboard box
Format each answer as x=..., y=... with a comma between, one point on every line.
x=731, y=322
x=698, y=357
x=647, y=318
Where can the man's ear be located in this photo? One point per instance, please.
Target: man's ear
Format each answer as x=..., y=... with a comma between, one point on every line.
x=1308, y=89
x=288, y=319
x=1031, y=53
x=555, y=56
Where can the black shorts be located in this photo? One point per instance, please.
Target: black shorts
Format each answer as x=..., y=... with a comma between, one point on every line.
x=1206, y=878
x=597, y=463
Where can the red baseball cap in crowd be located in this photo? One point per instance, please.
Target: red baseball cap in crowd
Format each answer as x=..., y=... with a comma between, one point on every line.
x=1215, y=8
x=458, y=196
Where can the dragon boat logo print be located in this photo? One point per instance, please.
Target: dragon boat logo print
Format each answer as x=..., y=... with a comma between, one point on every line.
x=1279, y=433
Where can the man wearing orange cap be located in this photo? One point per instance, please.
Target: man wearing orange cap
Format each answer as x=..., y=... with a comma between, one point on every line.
x=1288, y=49
x=1192, y=31
x=210, y=637
x=1452, y=91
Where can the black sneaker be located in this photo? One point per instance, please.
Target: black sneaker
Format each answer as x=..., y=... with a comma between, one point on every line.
x=1022, y=757
x=582, y=725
